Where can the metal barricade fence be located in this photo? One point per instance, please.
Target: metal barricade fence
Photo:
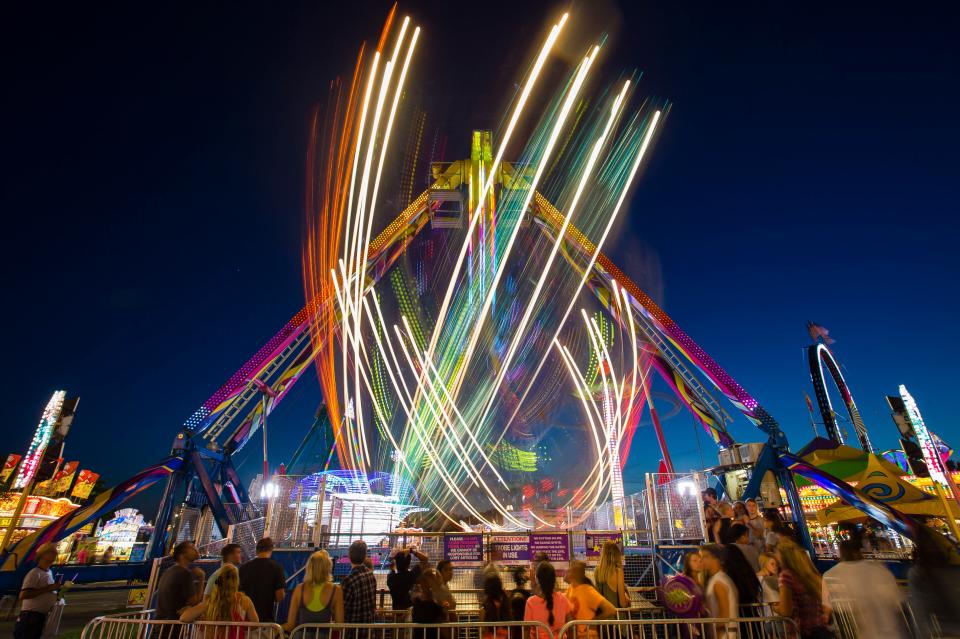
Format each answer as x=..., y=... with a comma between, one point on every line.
x=459, y=630
x=114, y=627
x=711, y=628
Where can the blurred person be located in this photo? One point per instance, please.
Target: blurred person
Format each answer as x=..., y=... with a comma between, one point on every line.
x=740, y=537
x=538, y=559
x=721, y=527
x=933, y=585
x=401, y=578
x=801, y=591
x=609, y=575
x=755, y=524
x=865, y=589
x=769, y=576
x=232, y=555
x=547, y=606
x=263, y=580
x=710, y=511
x=38, y=595
x=722, y=598
x=744, y=577
x=317, y=599
x=107, y=555
x=495, y=606
x=693, y=567
x=587, y=602
x=443, y=595
x=425, y=607
x=226, y=604
x=520, y=592
x=359, y=587
x=740, y=514
x=775, y=529
x=179, y=586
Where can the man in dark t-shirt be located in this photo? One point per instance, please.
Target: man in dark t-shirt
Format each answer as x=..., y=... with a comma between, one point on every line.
x=179, y=586
x=263, y=580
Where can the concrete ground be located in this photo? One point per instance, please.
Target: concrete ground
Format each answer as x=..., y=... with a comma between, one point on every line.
x=81, y=607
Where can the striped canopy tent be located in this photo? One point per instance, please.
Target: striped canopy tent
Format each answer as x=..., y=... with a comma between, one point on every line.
x=874, y=477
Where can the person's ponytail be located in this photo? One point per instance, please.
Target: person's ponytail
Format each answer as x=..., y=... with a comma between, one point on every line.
x=547, y=579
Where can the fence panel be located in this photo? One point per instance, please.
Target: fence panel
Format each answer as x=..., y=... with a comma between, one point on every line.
x=737, y=628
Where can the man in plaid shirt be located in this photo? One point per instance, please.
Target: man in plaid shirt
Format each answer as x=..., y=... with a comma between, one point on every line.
x=359, y=587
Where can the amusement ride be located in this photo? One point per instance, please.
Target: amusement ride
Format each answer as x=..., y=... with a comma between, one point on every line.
x=483, y=323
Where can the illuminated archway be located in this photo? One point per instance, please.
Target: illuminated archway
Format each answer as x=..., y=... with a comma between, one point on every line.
x=819, y=355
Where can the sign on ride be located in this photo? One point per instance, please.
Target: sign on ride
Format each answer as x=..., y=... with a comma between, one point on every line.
x=463, y=549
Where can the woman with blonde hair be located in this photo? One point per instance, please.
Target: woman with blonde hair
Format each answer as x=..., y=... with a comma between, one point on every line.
x=609, y=575
x=801, y=591
x=225, y=604
x=317, y=599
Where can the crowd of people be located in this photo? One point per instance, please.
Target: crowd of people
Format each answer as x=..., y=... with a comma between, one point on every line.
x=753, y=558
x=750, y=566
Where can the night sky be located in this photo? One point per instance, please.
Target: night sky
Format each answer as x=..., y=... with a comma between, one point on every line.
x=153, y=189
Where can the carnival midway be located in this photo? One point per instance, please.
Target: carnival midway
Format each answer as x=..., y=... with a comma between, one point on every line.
x=484, y=368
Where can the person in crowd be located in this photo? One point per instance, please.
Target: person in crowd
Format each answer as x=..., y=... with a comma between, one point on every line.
x=769, y=576
x=230, y=555
x=547, y=606
x=263, y=580
x=107, y=555
x=317, y=599
x=933, y=585
x=38, y=595
x=425, y=608
x=443, y=595
x=744, y=577
x=401, y=578
x=179, y=587
x=710, y=511
x=755, y=525
x=801, y=588
x=721, y=527
x=775, y=529
x=865, y=592
x=740, y=515
x=609, y=575
x=740, y=537
x=587, y=602
x=360, y=587
x=722, y=598
x=225, y=604
x=538, y=559
x=520, y=592
x=82, y=555
x=693, y=567
x=495, y=606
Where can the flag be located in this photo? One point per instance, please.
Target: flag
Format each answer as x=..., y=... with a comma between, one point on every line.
x=809, y=404
x=84, y=484
x=819, y=332
x=64, y=477
x=11, y=465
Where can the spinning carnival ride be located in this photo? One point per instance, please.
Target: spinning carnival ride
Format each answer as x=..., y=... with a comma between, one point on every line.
x=455, y=338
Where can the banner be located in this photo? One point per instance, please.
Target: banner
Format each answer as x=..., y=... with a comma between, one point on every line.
x=9, y=467
x=84, y=484
x=463, y=549
x=595, y=541
x=510, y=549
x=64, y=477
x=556, y=546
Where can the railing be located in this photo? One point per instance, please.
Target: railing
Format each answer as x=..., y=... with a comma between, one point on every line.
x=112, y=627
x=459, y=630
x=736, y=628
x=115, y=627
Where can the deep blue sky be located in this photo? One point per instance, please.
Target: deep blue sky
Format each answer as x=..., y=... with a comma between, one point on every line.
x=152, y=192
